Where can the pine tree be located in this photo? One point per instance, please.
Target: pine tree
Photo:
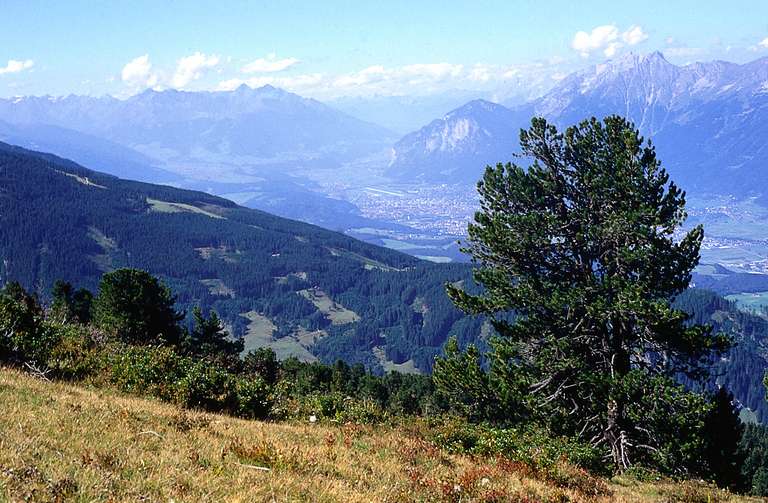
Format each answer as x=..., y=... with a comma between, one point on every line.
x=582, y=247
x=137, y=308
x=210, y=340
x=722, y=432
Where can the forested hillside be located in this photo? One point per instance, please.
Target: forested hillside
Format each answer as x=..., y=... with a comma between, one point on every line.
x=306, y=291
x=742, y=369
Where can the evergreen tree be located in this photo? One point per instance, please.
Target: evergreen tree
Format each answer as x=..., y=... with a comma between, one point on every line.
x=722, y=433
x=581, y=246
x=137, y=308
x=264, y=363
x=210, y=340
x=23, y=334
x=82, y=301
x=70, y=305
x=61, y=305
x=754, y=449
x=462, y=383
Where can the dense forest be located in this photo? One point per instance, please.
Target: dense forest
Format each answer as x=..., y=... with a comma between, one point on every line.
x=61, y=221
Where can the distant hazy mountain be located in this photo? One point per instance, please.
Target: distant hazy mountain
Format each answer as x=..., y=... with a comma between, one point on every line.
x=709, y=122
x=209, y=131
x=103, y=155
x=476, y=133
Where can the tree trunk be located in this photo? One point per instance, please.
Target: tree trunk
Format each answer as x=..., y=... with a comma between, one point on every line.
x=616, y=437
x=615, y=434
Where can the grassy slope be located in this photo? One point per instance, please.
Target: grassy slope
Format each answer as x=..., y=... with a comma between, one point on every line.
x=75, y=444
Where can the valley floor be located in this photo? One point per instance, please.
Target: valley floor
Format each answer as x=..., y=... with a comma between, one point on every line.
x=60, y=442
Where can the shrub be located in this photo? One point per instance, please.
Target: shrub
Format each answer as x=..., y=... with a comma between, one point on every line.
x=143, y=370
x=75, y=355
x=162, y=373
x=24, y=334
x=253, y=398
x=206, y=386
x=326, y=406
x=528, y=445
x=262, y=362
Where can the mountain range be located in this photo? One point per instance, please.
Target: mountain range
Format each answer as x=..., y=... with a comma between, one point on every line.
x=219, y=135
x=708, y=121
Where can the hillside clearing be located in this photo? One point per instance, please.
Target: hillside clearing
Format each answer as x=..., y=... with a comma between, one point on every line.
x=260, y=334
x=407, y=367
x=335, y=312
x=67, y=443
x=218, y=287
x=83, y=179
x=169, y=207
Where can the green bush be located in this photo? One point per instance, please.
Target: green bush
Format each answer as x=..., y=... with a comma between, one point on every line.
x=74, y=356
x=253, y=398
x=331, y=406
x=144, y=370
x=24, y=334
x=528, y=445
x=162, y=373
x=206, y=386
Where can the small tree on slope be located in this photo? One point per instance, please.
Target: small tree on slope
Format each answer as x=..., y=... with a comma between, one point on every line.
x=581, y=246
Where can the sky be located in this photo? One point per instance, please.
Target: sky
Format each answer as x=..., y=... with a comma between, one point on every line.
x=332, y=48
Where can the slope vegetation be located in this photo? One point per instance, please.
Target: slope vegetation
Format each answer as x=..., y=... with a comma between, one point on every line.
x=66, y=443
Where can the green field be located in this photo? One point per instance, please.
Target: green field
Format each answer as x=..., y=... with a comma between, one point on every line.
x=752, y=302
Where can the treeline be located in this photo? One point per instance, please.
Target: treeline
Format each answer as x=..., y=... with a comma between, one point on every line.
x=129, y=336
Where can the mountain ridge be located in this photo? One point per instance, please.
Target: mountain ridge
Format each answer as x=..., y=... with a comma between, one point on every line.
x=706, y=119
x=247, y=126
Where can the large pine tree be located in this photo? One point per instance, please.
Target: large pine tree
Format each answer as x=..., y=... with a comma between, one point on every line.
x=584, y=246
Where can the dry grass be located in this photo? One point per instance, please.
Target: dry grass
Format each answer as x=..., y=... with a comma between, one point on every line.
x=60, y=442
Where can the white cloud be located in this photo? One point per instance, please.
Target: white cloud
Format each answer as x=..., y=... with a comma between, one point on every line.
x=378, y=79
x=611, y=49
x=599, y=38
x=138, y=73
x=416, y=79
x=366, y=76
x=634, y=35
x=606, y=38
x=435, y=71
x=764, y=43
x=191, y=68
x=270, y=64
x=481, y=73
x=15, y=66
x=684, y=52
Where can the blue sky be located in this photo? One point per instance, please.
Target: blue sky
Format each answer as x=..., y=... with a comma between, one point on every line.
x=336, y=48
